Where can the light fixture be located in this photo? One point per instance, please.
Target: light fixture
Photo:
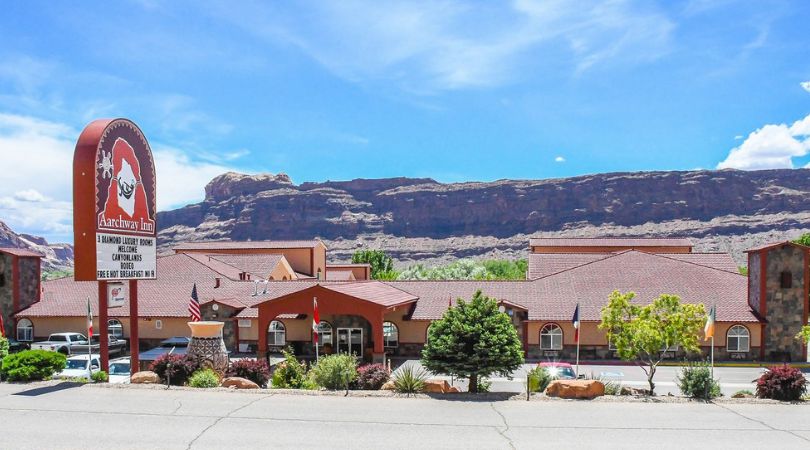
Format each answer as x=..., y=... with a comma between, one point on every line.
x=502, y=308
x=215, y=307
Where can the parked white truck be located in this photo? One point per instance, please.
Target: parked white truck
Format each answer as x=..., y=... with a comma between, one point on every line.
x=62, y=343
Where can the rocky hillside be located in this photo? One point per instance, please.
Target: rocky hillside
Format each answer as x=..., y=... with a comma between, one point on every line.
x=421, y=219
x=57, y=256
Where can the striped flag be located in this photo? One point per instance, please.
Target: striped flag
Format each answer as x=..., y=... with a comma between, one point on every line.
x=575, y=321
x=89, y=321
x=708, y=330
x=2, y=327
x=316, y=319
x=194, y=305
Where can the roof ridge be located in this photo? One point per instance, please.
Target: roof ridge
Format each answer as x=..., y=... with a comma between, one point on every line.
x=608, y=256
x=693, y=263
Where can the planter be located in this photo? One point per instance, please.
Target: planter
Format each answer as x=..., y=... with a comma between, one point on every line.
x=207, y=346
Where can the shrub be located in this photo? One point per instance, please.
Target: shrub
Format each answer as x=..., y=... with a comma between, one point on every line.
x=743, y=393
x=484, y=385
x=371, y=377
x=335, y=371
x=782, y=383
x=255, y=370
x=205, y=378
x=30, y=365
x=407, y=380
x=539, y=378
x=182, y=367
x=100, y=376
x=612, y=387
x=696, y=381
x=3, y=347
x=290, y=374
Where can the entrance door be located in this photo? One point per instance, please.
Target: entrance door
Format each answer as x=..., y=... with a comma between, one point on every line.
x=350, y=341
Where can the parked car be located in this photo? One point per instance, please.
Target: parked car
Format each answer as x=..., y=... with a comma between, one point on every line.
x=61, y=342
x=117, y=346
x=119, y=371
x=80, y=366
x=15, y=346
x=178, y=343
x=559, y=370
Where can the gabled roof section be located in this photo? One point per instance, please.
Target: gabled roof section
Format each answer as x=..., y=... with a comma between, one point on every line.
x=610, y=242
x=260, y=265
x=545, y=264
x=247, y=245
x=370, y=291
x=21, y=252
x=777, y=244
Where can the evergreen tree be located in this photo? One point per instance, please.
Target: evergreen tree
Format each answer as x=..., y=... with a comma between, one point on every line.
x=473, y=340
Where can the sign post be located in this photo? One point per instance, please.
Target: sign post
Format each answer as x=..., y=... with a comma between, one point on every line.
x=114, y=219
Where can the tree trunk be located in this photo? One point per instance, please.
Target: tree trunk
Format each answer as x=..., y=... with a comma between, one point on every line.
x=650, y=376
x=473, y=384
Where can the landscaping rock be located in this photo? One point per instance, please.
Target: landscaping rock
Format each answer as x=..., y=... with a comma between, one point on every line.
x=436, y=386
x=239, y=383
x=575, y=389
x=634, y=391
x=453, y=390
x=145, y=377
x=742, y=395
x=388, y=386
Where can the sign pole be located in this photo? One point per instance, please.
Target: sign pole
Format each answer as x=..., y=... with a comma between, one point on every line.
x=103, y=344
x=134, y=355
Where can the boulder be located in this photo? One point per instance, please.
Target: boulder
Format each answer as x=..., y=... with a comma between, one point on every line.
x=239, y=383
x=575, y=389
x=742, y=395
x=145, y=377
x=436, y=386
x=634, y=391
x=388, y=386
x=453, y=390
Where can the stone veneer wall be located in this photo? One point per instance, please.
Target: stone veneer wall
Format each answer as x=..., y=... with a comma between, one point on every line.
x=784, y=306
x=754, y=277
x=29, y=281
x=223, y=314
x=7, y=293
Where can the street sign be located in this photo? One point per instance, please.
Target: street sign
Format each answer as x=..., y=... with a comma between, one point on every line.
x=116, y=294
x=115, y=232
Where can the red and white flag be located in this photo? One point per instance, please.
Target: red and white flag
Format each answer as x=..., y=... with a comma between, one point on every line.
x=194, y=305
x=89, y=321
x=2, y=327
x=316, y=320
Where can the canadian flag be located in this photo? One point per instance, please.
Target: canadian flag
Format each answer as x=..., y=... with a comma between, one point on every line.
x=89, y=320
x=316, y=320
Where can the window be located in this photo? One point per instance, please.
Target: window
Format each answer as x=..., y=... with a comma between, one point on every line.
x=276, y=334
x=738, y=339
x=158, y=324
x=115, y=328
x=244, y=323
x=25, y=330
x=390, y=334
x=611, y=346
x=551, y=337
x=324, y=333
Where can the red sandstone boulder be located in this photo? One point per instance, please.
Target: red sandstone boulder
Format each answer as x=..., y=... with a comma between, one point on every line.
x=453, y=390
x=436, y=386
x=388, y=386
x=575, y=389
x=145, y=377
x=239, y=383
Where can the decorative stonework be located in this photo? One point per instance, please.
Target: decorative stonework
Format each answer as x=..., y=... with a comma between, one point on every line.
x=208, y=347
x=784, y=305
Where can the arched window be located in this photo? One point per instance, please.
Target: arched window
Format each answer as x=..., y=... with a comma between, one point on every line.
x=25, y=330
x=738, y=339
x=276, y=334
x=551, y=337
x=324, y=333
x=115, y=328
x=390, y=334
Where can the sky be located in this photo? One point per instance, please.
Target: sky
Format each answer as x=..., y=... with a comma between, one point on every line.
x=452, y=90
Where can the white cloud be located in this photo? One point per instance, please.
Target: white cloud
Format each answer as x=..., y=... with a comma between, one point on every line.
x=35, y=185
x=559, y=159
x=771, y=147
x=805, y=85
x=448, y=44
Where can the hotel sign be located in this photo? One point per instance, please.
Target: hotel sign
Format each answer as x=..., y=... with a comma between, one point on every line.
x=115, y=232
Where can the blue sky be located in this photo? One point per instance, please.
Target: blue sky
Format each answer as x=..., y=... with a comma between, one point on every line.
x=451, y=90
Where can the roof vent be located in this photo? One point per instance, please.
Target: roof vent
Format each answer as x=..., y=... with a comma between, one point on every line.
x=217, y=282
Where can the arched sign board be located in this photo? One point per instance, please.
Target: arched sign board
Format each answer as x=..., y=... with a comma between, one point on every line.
x=114, y=226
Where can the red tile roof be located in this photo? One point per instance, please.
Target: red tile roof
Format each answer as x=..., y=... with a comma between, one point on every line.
x=610, y=242
x=23, y=252
x=776, y=244
x=240, y=245
x=260, y=266
x=544, y=264
x=346, y=266
x=339, y=275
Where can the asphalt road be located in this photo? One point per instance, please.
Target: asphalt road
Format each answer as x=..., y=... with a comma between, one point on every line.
x=732, y=379
x=109, y=418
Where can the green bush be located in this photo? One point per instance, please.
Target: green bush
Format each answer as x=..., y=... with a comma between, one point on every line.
x=290, y=374
x=408, y=380
x=335, y=371
x=100, y=377
x=205, y=378
x=539, y=378
x=31, y=365
x=3, y=347
x=696, y=381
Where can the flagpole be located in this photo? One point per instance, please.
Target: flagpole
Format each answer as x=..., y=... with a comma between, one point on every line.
x=89, y=342
x=577, y=355
x=712, y=353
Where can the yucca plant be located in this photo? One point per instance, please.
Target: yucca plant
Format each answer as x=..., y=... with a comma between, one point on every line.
x=409, y=380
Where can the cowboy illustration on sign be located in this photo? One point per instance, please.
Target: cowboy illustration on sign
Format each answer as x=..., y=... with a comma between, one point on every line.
x=125, y=208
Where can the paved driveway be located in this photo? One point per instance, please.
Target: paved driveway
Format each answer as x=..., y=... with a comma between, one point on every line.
x=112, y=418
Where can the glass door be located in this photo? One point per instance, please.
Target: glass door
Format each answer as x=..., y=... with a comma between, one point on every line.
x=350, y=341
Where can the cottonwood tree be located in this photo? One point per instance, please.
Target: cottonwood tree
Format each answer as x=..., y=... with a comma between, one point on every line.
x=646, y=333
x=382, y=265
x=473, y=340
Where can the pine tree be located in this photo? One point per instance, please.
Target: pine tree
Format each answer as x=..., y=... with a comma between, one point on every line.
x=473, y=340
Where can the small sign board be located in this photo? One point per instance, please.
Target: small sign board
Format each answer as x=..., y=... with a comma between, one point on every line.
x=114, y=209
x=116, y=295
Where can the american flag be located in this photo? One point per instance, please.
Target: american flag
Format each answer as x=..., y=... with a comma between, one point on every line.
x=194, y=305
